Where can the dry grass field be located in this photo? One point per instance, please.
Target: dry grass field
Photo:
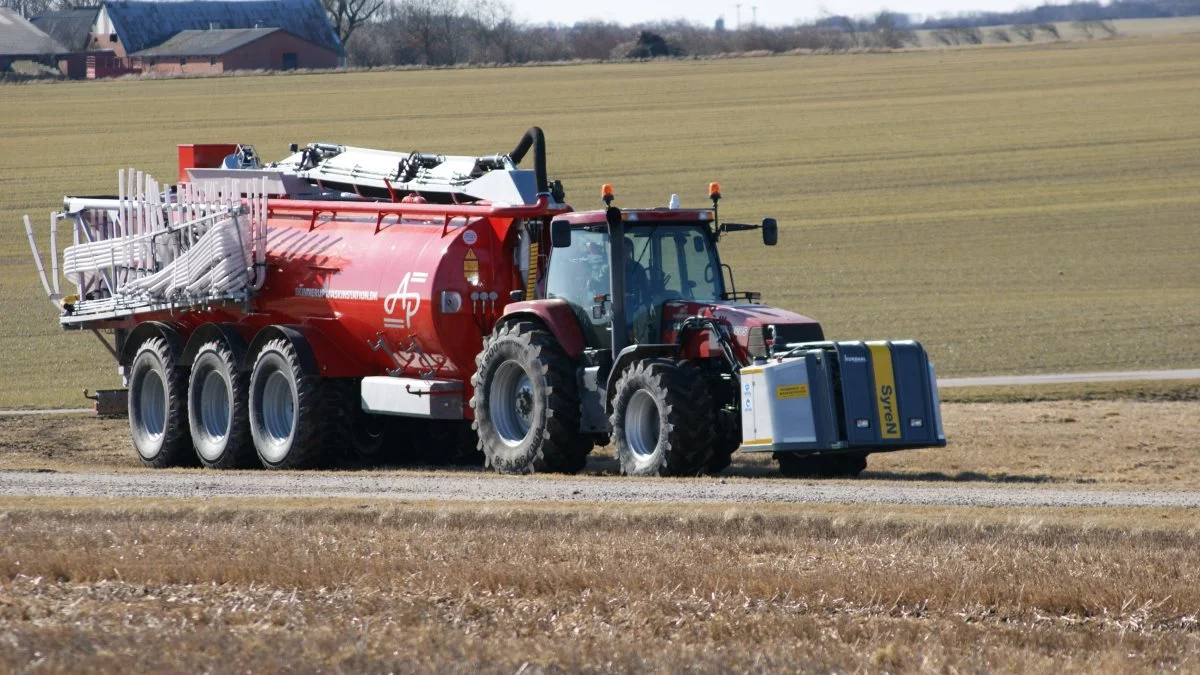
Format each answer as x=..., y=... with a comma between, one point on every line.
x=366, y=587
x=1095, y=444
x=1024, y=209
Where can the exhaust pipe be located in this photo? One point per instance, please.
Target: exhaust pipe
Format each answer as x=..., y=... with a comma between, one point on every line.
x=537, y=140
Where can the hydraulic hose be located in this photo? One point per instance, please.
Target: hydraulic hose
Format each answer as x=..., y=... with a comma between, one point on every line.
x=534, y=138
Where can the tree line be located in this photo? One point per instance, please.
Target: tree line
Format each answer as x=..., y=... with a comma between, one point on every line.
x=453, y=32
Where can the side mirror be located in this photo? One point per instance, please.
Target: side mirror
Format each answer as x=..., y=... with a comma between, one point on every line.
x=560, y=233
x=770, y=232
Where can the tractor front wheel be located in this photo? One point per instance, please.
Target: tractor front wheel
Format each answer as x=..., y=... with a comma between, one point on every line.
x=662, y=419
x=526, y=402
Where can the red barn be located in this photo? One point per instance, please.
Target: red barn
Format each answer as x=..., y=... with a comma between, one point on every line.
x=192, y=52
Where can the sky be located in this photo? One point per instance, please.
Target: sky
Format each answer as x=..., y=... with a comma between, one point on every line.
x=770, y=12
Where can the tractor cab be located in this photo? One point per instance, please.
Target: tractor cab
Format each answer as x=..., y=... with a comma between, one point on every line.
x=667, y=268
x=664, y=255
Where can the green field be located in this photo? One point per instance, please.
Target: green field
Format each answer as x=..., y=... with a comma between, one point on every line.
x=1018, y=209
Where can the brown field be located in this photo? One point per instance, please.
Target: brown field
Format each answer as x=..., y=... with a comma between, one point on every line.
x=352, y=585
x=1107, y=443
x=1023, y=209
x=365, y=587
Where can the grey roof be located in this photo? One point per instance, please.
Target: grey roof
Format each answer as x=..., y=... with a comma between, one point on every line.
x=142, y=25
x=18, y=37
x=72, y=28
x=207, y=42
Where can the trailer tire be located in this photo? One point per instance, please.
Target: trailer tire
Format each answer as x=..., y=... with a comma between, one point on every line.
x=217, y=409
x=287, y=418
x=158, y=418
x=846, y=465
x=526, y=401
x=662, y=419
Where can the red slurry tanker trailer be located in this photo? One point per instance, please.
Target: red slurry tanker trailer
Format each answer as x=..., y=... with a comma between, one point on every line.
x=346, y=302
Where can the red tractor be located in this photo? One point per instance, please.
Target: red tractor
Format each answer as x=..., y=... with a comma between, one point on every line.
x=291, y=314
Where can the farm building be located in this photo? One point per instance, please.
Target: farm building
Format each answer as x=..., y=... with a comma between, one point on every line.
x=20, y=40
x=195, y=36
x=214, y=51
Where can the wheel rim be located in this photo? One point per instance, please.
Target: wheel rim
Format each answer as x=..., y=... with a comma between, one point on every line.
x=214, y=406
x=278, y=406
x=511, y=403
x=641, y=424
x=152, y=406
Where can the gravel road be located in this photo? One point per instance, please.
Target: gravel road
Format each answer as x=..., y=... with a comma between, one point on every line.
x=1071, y=378
x=557, y=489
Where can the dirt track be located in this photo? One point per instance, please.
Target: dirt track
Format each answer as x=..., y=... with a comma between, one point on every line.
x=540, y=489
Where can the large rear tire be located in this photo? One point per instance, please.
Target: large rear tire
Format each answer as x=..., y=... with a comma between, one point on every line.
x=526, y=402
x=158, y=416
x=662, y=419
x=286, y=409
x=217, y=409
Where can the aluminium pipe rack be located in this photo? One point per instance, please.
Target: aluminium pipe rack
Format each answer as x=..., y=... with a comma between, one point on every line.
x=153, y=249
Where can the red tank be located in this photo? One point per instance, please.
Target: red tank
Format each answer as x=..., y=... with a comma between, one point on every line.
x=404, y=289
x=427, y=280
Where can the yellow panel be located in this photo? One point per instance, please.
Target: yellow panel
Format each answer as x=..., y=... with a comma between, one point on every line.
x=885, y=390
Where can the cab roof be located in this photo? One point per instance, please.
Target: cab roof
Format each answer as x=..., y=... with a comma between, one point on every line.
x=658, y=215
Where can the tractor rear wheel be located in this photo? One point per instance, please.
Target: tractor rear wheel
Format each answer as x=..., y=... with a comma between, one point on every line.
x=526, y=402
x=158, y=416
x=217, y=416
x=287, y=409
x=662, y=419
x=847, y=465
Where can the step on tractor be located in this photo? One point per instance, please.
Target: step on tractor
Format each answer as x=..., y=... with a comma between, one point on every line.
x=351, y=305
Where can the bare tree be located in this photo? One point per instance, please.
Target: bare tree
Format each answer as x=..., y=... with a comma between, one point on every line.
x=347, y=15
x=31, y=8
x=1025, y=30
x=1049, y=29
x=849, y=27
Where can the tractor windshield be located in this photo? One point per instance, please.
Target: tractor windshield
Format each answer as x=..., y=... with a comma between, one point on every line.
x=662, y=262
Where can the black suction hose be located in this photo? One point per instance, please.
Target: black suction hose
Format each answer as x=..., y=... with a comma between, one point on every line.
x=534, y=138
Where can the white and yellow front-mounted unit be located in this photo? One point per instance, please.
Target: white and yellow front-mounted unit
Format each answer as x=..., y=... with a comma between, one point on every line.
x=842, y=396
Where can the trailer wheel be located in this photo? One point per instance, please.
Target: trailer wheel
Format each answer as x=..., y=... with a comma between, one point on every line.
x=285, y=409
x=847, y=465
x=217, y=415
x=662, y=419
x=158, y=407
x=527, y=410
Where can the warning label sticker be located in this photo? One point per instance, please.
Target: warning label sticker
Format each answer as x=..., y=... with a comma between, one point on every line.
x=792, y=391
x=471, y=268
